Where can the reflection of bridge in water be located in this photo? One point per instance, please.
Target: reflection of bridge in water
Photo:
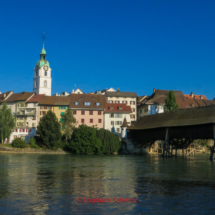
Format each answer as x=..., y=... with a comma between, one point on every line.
x=178, y=129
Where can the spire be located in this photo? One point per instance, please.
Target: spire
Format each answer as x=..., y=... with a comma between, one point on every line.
x=43, y=53
x=125, y=124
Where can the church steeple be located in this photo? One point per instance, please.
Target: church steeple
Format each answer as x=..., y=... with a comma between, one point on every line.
x=43, y=53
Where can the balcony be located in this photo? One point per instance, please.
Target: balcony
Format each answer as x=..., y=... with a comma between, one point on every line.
x=26, y=113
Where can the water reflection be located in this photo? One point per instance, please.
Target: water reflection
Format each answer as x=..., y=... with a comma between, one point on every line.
x=43, y=184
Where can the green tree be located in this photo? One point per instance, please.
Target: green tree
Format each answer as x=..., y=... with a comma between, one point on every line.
x=110, y=141
x=85, y=140
x=7, y=122
x=68, y=123
x=49, y=131
x=171, y=103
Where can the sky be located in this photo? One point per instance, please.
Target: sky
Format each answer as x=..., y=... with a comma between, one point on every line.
x=134, y=45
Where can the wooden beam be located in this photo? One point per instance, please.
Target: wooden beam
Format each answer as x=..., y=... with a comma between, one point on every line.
x=212, y=147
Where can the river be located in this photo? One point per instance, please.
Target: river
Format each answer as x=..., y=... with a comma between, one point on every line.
x=51, y=184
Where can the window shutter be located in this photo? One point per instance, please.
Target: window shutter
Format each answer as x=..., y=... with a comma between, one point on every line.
x=45, y=107
x=40, y=112
x=65, y=107
x=59, y=107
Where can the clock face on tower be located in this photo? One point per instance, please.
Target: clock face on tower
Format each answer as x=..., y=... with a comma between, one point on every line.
x=45, y=67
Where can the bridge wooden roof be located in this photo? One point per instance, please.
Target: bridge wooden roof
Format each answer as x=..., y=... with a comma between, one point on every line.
x=187, y=117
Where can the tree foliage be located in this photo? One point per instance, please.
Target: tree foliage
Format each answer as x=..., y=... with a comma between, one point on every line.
x=49, y=131
x=85, y=140
x=7, y=122
x=171, y=103
x=68, y=123
x=110, y=141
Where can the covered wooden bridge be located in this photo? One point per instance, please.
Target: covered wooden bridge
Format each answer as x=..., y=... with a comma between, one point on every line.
x=177, y=128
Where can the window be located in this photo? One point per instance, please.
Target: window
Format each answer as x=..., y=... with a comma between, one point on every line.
x=91, y=120
x=132, y=109
x=82, y=120
x=132, y=116
x=87, y=103
x=61, y=120
x=118, y=129
x=76, y=103
x=117, y=97
x=146, y=110
x=117, y=102
x=112, y=115
x=91, y=112
x=62, y=113
x=112, y=122
x=99, y=112
x=124, y=102
x=35, y=104
x=45, y=83
x=36, y=83
x=34, y=118
x=97, y=103
x=140, y=111
x=49, y=107
x=117, y=115
x=117, y=123
x=36, y=73
x=110, y=101
x=74, y=112
x=132, y=103
x=82, y=112
x=45, y=73
x=100, y=121
x=120, y=122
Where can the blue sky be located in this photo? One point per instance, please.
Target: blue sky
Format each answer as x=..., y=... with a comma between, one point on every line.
x=132, y=45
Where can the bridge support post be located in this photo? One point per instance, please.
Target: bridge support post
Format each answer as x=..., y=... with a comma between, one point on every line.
x=212, y=147
x=165, y=142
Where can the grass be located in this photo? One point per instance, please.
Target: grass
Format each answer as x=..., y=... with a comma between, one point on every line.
x=6, y=145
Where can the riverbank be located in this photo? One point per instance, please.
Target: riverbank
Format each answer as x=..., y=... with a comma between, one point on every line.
x=9, y=149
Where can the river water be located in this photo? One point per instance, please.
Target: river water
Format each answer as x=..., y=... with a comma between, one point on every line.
x=51, y=184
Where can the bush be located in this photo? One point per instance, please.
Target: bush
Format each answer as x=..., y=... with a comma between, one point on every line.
x=110, y=141
x=19, y=143
x=85, y=141
x=33, y=144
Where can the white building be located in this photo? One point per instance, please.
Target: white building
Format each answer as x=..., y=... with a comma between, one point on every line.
x=155, y=103
x=128, y=98
x=42, y=75
x=114, y=115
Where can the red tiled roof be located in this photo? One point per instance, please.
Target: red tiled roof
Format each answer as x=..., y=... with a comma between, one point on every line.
x=117, y=108
x=19, y=97
x=92, y=98
x=35, y=98
x=62, y=100
x=47, y=100
x=3, y=96
x=196, y=97
x=193, y=103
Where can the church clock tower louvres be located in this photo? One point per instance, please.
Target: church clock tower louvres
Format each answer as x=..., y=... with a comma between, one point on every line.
x=42, y=75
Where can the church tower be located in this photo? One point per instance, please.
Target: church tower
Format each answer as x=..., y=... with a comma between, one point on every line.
x=42, y=75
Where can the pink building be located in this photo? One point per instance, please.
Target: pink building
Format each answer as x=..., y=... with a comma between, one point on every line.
x=88, y=109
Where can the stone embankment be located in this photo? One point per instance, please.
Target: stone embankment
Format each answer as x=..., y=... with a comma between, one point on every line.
x=5, y=149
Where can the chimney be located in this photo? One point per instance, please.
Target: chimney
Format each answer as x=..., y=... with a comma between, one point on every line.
x=192, y=105
x=201, y=97
x=117, y=89
x=73, y=90
x=153, y=90
x=191, y=94
x=4, y=95
x=23, y=91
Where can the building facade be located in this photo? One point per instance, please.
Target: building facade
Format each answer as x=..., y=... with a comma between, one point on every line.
x=127, y=98
x=88, y=109
x=114, y=115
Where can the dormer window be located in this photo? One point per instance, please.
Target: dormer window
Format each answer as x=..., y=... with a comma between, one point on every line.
x=76, y=103
x=97, y=103
x=111, y=108
x=87, y=103
x=120, y=108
